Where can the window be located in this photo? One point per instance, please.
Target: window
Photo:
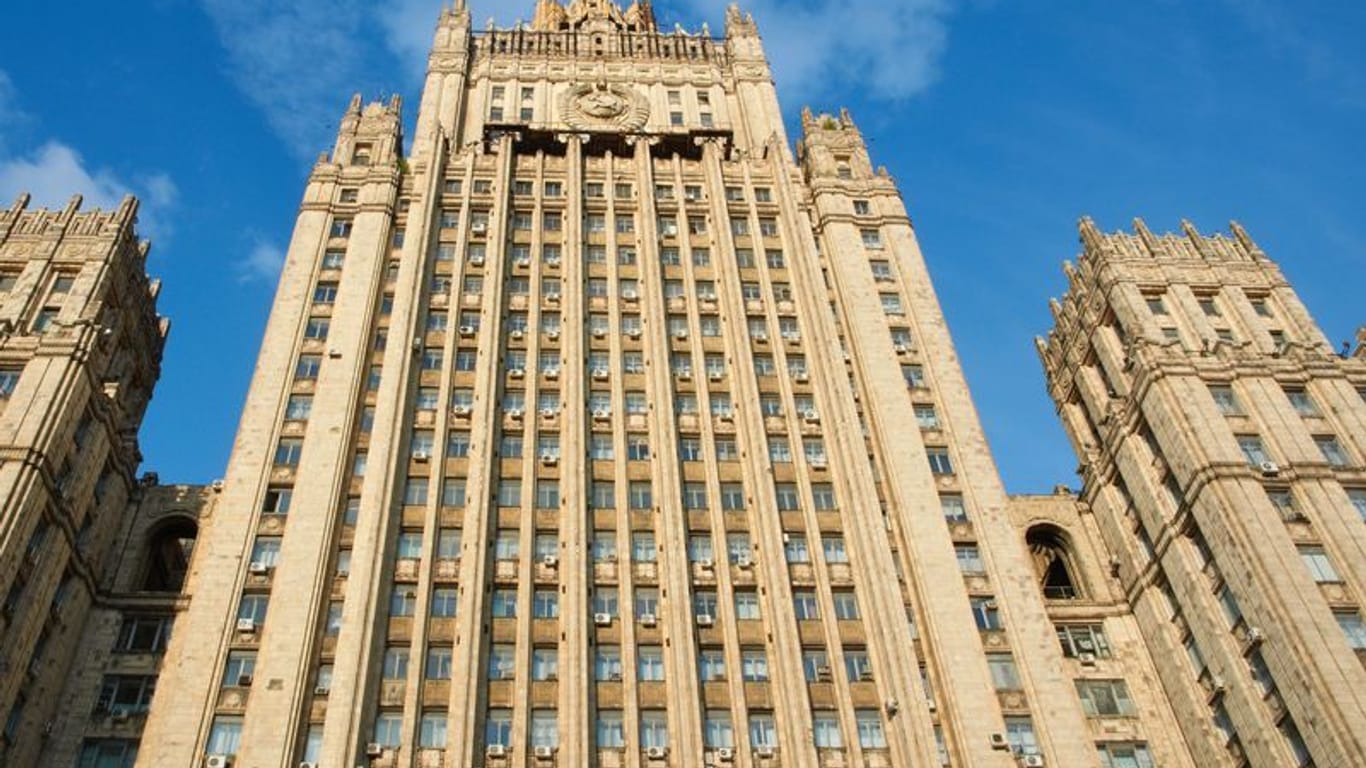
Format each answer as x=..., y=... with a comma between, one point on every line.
x=711, y=665
x=872, y=239
x=1253, y=450
x=1020, y=736
x=1082, y=639
x=804, y=603
x=610, y=730
x=643, y=547
x=717, y=730
x=143, y=634
x=926, y=416
x=317, y=328
x=1302, y=402
x=1105, y=698
x=1355, y=629
x=108, y=753
x=132, y=694
x=969, y=559
x=287, y=451
x=498, y=728
x=834, y=549
x=891, y=304
x=1319, y=564
x=1332, y=450
x=955, y=511
x=763, y=730
x=940, y=463
x=545, y=730
x=640, y=497
x=986, y=614
x=788, y=498
x=654, y=728
x=754, y=665
x=1124, y=755
x=1004, y=675
x=825, y=727
x=650, y=663
x=914, y=376
x=746, y=605
x=607, y=663
x=1358, y=498
x=869, y=724
x=439, y=663
x=341, y=228
x=225, y=735
x=432, y=730
x=1225, y=400
x=504, y=604
x=545, y=664
x=846, y=606
x=444, y=603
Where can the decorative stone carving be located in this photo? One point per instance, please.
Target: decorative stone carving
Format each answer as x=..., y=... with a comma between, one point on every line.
x=604, y=107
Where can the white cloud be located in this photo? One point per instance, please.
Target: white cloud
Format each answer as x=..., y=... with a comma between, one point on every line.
x=298, y=62
x=263, y=263
x=890, y=50
x=54, y=172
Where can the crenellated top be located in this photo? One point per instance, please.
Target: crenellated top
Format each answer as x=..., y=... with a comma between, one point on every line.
x=19, y=220
x=552, y=16
x=1189, y=245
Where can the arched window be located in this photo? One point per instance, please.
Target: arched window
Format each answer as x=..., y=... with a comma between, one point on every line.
x=168, y=555
x=1052, y=555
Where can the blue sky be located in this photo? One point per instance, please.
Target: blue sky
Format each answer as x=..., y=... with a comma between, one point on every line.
x=1002, y=121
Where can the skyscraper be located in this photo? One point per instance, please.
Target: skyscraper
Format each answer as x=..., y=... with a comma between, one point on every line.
x=80, y=350
x=1222, y=439
x=600, y=428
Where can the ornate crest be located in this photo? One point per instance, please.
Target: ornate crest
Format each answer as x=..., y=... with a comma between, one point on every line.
x=603, y=106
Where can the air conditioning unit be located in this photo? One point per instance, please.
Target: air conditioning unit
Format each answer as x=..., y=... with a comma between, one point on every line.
x=744, y=562
x=517, y=335
x=258, y=568
x=601, y=374
x=516, y=373
x=705, y=564
x=1031, y=761
x=705, y=620
x=552, y=298
x=999, y=741
x=599, y=333
x=725, y=755
x=1217, y=685
x=306, y=764
x=656, y=753
x=1087, y=659
x=812, y=417
x=760, y=337
x=671, y=230
x=552, y=373
x=246, y=625
x=218, y=761
x=685, y=375
x=680, y=335
x=801, y=378
x=1255, y=635
x=648, y=620
x=421, y=456
x=902, y=349
x=322, y=690
x=552, y=262
x=550, y=561
x=522, y=262
x=543, y=753
x=602, y=414
x=477, y=261
x=602, y=619
x=496, y=750
x=725, y=417
x=479, y=227
x=763, y=752
x=550, y=459
x=460, y=410
x=634, y=333
x=515, y=413
x=716, y=376
x=374, y=749
x=823, y=674
x=553, y=335
x=548, y=413
x=244, y=681
x=629, y=295
x=1269, y=468
x=817, y=463
x=466, y=330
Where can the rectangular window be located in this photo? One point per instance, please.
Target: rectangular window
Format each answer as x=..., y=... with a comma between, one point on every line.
x=940, y=464
x=825, y=728
x=1105, y=698
x=1004, y=675
x=1079, y=640
x=1319, y=565
x=1332, y=450
x=1225, y=400
x=969, y=559
x=1253, y=450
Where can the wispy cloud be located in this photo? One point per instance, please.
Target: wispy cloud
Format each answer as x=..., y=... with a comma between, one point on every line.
x=297, y=62
x=262, y=263
x=887, y=50
x=54, y=171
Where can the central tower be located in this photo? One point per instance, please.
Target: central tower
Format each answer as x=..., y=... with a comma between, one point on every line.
x=601, y=429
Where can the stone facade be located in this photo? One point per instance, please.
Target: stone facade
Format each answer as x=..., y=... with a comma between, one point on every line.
x=599, y=427
x=1221, y=440
x=80, y=350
